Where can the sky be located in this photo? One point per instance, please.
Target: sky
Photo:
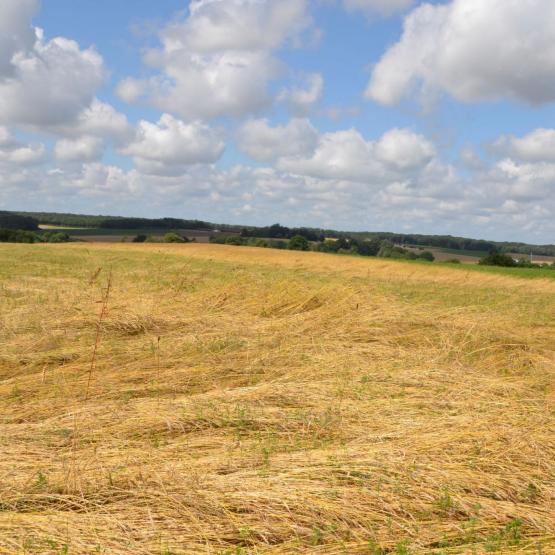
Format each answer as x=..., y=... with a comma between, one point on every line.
x=380, y=115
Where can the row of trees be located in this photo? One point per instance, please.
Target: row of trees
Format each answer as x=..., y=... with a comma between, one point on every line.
x=460, y=243
x=275, y=231
x=146, y=223
x=506, y=261
x=171, y=237
x=24, y=236
x=438, y=241
x=343, y=245
x=12, y=221
x=406, y=239
x=111, y=222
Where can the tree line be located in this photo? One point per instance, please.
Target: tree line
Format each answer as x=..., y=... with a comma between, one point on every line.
x=343, y=245
x=275, y=231
x=113, y=222
x=403, y=239
x=10, y=220
x=459, y=243
x=506, y=261
x=24, y=236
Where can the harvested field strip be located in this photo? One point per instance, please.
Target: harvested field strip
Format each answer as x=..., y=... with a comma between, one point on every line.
x=254, y=401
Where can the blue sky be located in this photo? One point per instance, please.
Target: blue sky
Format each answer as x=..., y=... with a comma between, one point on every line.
x=392, y=115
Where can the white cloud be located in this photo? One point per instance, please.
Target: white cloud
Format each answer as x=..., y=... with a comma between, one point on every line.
x=219, y=25
x=219, y=61
x=301, y=100
x=337, y=113
x=474, y=50
x=130, y=90
x=537, y=146
x=16, y=33
x=380, y=7
x=404, y=150
x=170, y=145
x=102, y=120
x=16, y=153
x=470, y=159
x=523, y=182
x=83, y=149
x=339, y=155
x=51, y=84
x=6, y=138
x=507, y=200
x=231, y=83
x=87, y=135
x=23, y=155
x=263, y=142
x=49, y=87
x=346, y=155
x=96, y=179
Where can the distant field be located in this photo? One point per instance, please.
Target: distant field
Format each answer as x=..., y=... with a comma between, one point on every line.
x=472, y=257
x=98, y=232
x=463, y=252
x=442, y=255
x=183, y=399
x=60, y=227
x=95, y=234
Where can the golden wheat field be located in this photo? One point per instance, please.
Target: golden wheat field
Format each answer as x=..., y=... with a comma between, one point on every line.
x=159, y=399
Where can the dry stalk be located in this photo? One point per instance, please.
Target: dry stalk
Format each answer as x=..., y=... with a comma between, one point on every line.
x=101, y=316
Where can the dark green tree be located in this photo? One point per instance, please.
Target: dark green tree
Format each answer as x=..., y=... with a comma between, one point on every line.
x=427, y=255
x=498, y=259
x=299, y=243
x=173, y=237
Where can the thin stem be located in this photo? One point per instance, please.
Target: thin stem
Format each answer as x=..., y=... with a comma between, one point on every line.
x=98, y=332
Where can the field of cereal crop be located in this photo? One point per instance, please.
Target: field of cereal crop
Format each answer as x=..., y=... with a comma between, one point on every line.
x=176, y=399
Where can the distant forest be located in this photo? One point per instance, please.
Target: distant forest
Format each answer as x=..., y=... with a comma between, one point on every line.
x=29, y=221
x=114, y=222
x=11, y=220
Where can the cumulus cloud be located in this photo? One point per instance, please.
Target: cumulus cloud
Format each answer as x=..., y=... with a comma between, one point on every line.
x=130, y=90
x=473, y=50
x=339, y=155
x=6, y=138
x=170, y=145
x=101, y=120
x=470, y=159
x=263, y=142
x=217, y=25
x=219, y=60
x=50, y=84
x=231, y=83
x=96, y=180
x=16, y=153
x=301, y=100
x=346, y=155
x=83, y=149
x=404, y=150
x=537, y=146
x=16, y=33
x=507, y=200
x=23, y=155
x=522, y=182
x=380, y=7
x=86, y=136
